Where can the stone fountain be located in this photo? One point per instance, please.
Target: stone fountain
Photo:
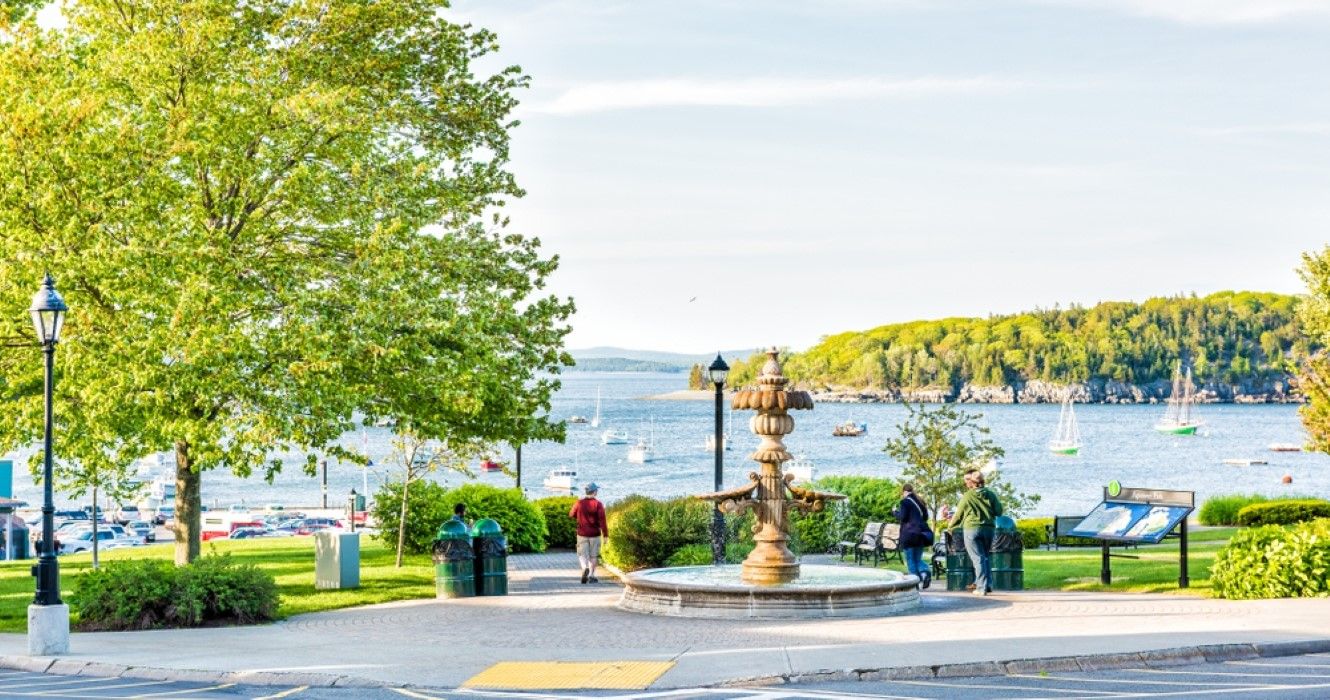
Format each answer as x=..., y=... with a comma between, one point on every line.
x=771, y=583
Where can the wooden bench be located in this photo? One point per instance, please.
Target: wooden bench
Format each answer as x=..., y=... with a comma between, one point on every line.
x=869, y=537
x=881, y=548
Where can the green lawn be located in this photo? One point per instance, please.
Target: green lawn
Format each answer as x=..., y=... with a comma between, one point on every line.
x=289, y=559
x=1156, y=571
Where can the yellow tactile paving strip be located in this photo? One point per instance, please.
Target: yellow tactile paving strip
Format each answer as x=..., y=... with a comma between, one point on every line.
x=570, y=675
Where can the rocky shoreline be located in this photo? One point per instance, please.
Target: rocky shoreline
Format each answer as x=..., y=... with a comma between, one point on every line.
x=1094, y=391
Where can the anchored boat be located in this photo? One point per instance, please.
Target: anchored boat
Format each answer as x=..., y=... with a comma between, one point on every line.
x=1067, y=439
x=1178, y=419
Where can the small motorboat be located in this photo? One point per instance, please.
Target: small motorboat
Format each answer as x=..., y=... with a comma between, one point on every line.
x=849, y=429
x=614, y=437
x=1241, y=462
x=1285, y=447
x=490, y=465
x=641, y=453
x=561, y=479
x=577, y=419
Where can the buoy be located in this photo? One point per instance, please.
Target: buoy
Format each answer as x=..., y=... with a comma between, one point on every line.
x=1288, y=479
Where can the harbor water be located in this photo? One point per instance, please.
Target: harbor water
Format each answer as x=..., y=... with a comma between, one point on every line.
x=1120, y=444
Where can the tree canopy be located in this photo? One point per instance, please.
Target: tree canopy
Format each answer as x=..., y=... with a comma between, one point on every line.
x=1226, y=336
x=269, y=219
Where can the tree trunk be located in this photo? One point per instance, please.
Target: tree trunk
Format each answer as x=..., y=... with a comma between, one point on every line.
x=95, y=513
x=401, y=523
x=188, y=504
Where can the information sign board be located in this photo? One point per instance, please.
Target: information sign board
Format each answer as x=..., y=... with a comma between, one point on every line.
x=1130, y=522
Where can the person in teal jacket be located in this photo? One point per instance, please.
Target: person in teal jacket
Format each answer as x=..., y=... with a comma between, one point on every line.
x=978, y=508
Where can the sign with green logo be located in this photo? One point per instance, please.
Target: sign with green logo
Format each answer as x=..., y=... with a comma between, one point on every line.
x=1114, y=489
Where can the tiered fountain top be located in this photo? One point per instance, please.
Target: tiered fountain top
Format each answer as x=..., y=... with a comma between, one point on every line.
x=770, y=392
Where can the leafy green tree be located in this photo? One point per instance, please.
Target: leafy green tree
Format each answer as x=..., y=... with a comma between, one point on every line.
x=1314, y=320
x=418, y=457
x=695, y=378
x=271, y=220
x=107, y=480
x=937, y=445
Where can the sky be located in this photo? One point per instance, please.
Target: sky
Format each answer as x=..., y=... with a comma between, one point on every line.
x=718, y=174
x=722, y=174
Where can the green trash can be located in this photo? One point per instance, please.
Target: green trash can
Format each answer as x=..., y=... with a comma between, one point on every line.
x=454, y=570
x=1007, y=559
x=960, y=573
x=491, y=550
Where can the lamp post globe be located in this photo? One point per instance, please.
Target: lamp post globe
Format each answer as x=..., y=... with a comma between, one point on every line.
x=718, y=372
x=48, y=624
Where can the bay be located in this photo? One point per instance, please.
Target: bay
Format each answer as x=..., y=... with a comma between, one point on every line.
x=1120, y=444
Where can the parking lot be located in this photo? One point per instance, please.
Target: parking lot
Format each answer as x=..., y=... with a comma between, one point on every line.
x=1284, y=678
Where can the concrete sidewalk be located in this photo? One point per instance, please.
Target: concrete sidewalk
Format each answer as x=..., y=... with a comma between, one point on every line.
x=551, y=617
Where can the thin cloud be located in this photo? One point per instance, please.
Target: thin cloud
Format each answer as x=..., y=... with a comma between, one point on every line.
x=1304, y=129
x=758, y=92
x=1216, y=11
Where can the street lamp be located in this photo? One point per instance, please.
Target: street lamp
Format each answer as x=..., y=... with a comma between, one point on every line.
x=717, y=373
x=48, y=616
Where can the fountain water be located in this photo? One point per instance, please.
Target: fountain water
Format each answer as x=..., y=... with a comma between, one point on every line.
x=770, y=583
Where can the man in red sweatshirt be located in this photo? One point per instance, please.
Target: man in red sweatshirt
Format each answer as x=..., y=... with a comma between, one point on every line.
x=591, y=526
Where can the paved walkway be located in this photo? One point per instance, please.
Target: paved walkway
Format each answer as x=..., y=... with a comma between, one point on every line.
x=552, y=617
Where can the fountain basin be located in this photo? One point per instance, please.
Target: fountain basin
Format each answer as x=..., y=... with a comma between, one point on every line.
x=819, y=592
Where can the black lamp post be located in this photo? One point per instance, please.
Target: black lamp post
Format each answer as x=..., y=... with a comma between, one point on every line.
x=48, y=314
x=717, y=373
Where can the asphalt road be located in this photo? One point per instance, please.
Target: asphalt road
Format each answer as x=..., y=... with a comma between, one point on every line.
x=1284, y=678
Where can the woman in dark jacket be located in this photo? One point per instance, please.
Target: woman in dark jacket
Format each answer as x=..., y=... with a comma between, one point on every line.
x=912, y=514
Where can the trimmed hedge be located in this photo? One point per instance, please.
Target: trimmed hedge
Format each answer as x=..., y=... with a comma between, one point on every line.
x=1275, y=562
x=523, y=523
x=645, y=533
x=1223, y=510
x=562, y=529
x=870, y=499
x=135, y=594
x=1283, y=512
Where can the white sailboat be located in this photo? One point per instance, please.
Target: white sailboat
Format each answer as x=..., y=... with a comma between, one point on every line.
x=800, y=467
x=1178, y=419
x=1067, y=439
x=595, y=420
x=710, y=442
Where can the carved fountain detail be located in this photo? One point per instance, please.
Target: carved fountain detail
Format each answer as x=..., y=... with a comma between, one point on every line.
x=770, y=493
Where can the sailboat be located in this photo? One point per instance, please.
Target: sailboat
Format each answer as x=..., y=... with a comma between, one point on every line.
x=614, y=437
x=710, y=443
x=1178, y=420
x=595, y=421
x=1067, y=439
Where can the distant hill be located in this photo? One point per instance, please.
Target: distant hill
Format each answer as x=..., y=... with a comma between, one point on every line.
x=623, y=364
x=612, y=359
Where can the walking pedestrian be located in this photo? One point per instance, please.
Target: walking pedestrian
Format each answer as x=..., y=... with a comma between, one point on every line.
x=912, y=514
x=591, y=527
x=978, y=509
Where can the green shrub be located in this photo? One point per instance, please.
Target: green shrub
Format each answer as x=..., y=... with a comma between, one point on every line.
x=1283, y=512
x=522, y=522
x=644, y=532
x=1034, y=534
x=125, y=594
x=424, y=515
x=1274, y=562
x=132, y=594
x=700, y=554
x=216, y=588
x=1223, y=510
x=562, y=529
x=870, y=499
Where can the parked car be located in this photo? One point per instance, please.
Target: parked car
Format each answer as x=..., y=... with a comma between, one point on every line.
x=127, y=514
x=142, y=528
x=106, y=539
x=309, y=526
x=247, y=533
x=165, y=515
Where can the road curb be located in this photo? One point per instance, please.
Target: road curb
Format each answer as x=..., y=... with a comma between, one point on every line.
x=1155, y=658
x=1177, y=656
